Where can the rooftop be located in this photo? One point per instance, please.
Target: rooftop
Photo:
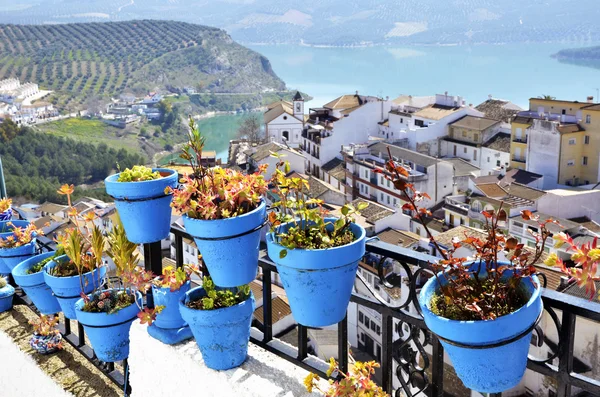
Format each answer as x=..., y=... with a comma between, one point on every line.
x=401, y=238
x=436, y=112
x=499, y=142
x=414, y=101
x=498, y=109
x=379, y=149
x=474, y=123
x=462, y=167
x=349, y=102
x=335, y=168
x=374, y=212
x=513, y=175
x=279, y=108
x=263, y=151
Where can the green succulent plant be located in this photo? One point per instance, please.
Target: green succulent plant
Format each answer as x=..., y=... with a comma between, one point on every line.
x=218, y=299
x=138, y=173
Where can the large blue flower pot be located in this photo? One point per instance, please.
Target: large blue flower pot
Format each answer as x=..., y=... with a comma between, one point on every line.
x=68, y=289
x=11, y=257
x=169, y=317
x=6, y=230
x=222, y=334
x=6, y=298
x=318, y=283
x=109, y=333
x=486, y=370
x=35, y=286
x=6, y=215
x=231, y=261
x=143, y=207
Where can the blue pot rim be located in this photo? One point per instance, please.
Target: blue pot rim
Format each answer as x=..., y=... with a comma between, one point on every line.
x=262, y=204
x=104, y=315
x=359, y=239
x=20, y=271
x=537, y=291
x=172, y=173
x=168, y=289
x=23, y=247
x=54, y=263
x=7, y=291
x=215, y=312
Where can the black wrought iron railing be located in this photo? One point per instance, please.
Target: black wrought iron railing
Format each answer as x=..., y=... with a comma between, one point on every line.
x=412, y=358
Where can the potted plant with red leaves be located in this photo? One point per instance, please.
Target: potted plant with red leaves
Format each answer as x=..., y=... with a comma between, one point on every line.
x=482, y=310
x=167, y=290
x=17, y=245
x=224, y=211
x=316, y=254
x=46, y=337
x=5, y=209
x=357, y=382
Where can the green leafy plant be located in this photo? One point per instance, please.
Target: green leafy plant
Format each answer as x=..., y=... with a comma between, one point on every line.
x=138, y=173
x=214, y=193
x=219, y=298
x=3, y=282
x=356, y=383
x=40, y=265
x=308, y=228
x=21, y=236
x=85, y=246
x=5, y=204
x=486, y=290
x=174, y=278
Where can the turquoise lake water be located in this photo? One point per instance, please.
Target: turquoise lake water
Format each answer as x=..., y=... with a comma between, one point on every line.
x=513, y=72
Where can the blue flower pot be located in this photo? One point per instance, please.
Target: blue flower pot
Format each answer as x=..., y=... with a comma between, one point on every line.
x=11, y=257
x=45, y=344
x=318, y=283
x=68, y=289
x=231, y=262
x=169, y=317
x=109, y=333
x=6, y=298
x=222, y=334
x=6, y=231
x=35, y=286
x=6, y=215
x=486, y=370
x=143, y=207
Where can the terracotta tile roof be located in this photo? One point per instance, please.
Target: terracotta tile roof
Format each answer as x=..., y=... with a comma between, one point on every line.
x=499, y=142
x=570, y=128
x=460, y=232
x=498, y=109
x=264, y=151
x=401, y=153
x=553, y=276
x=474, y=123
x=522, y=120
x=524, y=192
x=317, y=187
x=279, y=310
x=374, y=212
x=514, y=175
x=280, y=108
x=492, y=190
x=592, y=107
x=275, y=104
x=436, y=112
x=335, y=168
x=398, y=237
x=51, y=208
x=346, y=102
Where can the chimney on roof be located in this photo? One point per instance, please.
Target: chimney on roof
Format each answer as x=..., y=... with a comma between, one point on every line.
x=356, y=92
x=590, y=99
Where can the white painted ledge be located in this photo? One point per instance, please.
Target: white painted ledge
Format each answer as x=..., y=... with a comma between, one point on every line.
x=157, y=369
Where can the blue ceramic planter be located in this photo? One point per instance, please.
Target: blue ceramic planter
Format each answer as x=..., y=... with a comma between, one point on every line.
x=143, y=207
x=6, y=231
x=35, y=286
x=222, y=334
x=45, y=344
x=231, y=262
x=68, y=289
x=6, y=298
x=318, y=283
x=6, y=215
x=11, y=257
x=109, y=333
x=169, y=317
x=489, y=370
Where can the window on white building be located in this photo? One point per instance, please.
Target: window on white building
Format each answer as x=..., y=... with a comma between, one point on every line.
x=572, y=141
x=395, y=202
x=401, y=120
x=388, y=183
x=388, y=199
x=362, y=337
x=465, y=149
x=488, y=159
x=584, y=160
x=381, y=196
x=586, y=139
x=367, y=321
x=360, y=317
x=497, y=163
x=373, y=326
x=361, y=188
x=474, y=154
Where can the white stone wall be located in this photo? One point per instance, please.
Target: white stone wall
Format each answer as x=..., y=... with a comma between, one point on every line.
x=543, y=155
x=286, y=122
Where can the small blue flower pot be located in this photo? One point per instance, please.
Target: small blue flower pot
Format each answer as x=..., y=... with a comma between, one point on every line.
x=231, y=261
x=11, y=257
x=35, y=286
x=486, y=370
x=6, y=215
x=222, y=334
x=6, y=298
x=68, y=289
x=169, y=317
x=143, y=207
x=318, y=283
x=45, y=344
x=109, y=333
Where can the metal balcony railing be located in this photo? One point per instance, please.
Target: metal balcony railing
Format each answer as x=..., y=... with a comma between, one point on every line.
x=520, y=140
x=519, y=160
x=412, y=357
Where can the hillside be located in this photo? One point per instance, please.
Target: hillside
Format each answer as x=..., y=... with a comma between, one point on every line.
x=588, y=56
x=342, y=22
x=82, y=61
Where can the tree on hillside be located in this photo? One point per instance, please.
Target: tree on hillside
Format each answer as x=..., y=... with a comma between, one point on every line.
x=250, y=129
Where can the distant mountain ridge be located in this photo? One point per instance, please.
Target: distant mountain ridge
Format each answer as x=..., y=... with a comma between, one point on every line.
x=80, y=61
x=343, y=22
x=587, y=56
